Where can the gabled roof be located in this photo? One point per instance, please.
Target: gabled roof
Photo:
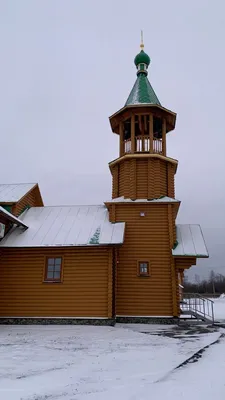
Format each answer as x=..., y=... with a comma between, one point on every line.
x=65, y=226
x=142, y=92
x=190, y=242
x=11, y=193
x=10, y=217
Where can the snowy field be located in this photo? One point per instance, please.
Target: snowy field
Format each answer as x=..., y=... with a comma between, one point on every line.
x=122, y=363
x=219, y=308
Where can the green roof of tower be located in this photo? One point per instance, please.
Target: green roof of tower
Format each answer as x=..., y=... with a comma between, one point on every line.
x=142, y=91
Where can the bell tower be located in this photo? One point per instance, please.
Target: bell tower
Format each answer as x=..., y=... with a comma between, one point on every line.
x=143, y=170
x=149, y=266
x=143, y=197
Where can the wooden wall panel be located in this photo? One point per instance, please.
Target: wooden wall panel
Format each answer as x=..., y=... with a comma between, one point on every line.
x=127, y=181
x=151, y=174
x=146, y=239
x=121, y=179
x=171, y=180
x=115, y=181
x=157, y=179
x=133, y=179
x=185, y=262
x=142, y=179
x=87, y=283
x=174, y=225
x=31, y=199
x=145, y=178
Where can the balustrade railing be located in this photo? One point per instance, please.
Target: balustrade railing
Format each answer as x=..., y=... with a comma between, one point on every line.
x=157, y=146
x=194, y=303
x=142, y=144
x=127, y=146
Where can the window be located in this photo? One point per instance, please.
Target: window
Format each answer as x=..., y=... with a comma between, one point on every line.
x=53, y=269
x=143, y=268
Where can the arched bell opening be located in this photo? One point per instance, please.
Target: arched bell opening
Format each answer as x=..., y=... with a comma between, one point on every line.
x=127, y=135
x=143, y=133
x=157, y=135
x=142, y=138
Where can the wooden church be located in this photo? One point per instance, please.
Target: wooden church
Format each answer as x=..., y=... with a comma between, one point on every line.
x=122, y=260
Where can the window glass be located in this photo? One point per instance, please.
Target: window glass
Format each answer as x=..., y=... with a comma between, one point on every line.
x=143, y=268
x=53, y=269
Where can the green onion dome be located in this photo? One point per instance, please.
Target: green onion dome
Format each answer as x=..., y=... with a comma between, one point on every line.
x=142, y=58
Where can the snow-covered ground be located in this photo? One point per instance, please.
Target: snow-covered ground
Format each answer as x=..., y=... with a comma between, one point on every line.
x=108, y=363
x=85, y=362
x=219, y=308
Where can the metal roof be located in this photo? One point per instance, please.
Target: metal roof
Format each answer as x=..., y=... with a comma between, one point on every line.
x=11, y=193
x=190, y=241
x=163, y=199
x=10, y=217
x=65, y=226
x=142, y=92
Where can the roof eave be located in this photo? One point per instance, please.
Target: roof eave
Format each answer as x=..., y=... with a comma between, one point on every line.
x=116, y=117
x=7, y=216
x=190, y=256
x=175, y=202
x=143, y=155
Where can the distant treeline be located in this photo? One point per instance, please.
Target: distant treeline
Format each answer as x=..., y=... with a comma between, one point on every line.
x=215, y=284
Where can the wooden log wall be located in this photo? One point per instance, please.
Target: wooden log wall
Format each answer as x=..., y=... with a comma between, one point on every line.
x=143, y=178
x=146, y=239
x=85, y=291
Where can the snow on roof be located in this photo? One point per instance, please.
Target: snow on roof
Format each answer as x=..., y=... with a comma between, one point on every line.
x=164, y=199
x=190, y=241
x=65, y=226
x=11, y=217
x=14, y=192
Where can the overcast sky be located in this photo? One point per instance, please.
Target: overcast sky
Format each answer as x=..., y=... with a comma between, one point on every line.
x=67, y=65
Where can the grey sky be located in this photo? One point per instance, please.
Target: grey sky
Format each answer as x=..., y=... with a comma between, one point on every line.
x=67, y=65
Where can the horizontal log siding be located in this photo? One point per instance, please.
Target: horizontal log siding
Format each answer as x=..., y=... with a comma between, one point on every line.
x=185, y=262
x=174, y=225
x=171, y=180
x=115, y=181
x=146, y=178
x=31, y=199
x=146, y=238
x=142, y=179
x=84, y=292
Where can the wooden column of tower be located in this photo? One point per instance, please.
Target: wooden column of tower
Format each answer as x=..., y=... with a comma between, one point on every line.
x=141, y=185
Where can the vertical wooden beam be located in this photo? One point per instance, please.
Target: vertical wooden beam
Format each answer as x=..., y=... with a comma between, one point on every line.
x=110, y=283
x=115, y=181
x=133, y=179
x=170, y=180
x=174, y=277
x=151, y=173
x=115, y=266
x=157, y=178
x=121, y=140
x=113, y=213
x=133, y=144
x=151, y=133
x=164, y=137
x=143, y=132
